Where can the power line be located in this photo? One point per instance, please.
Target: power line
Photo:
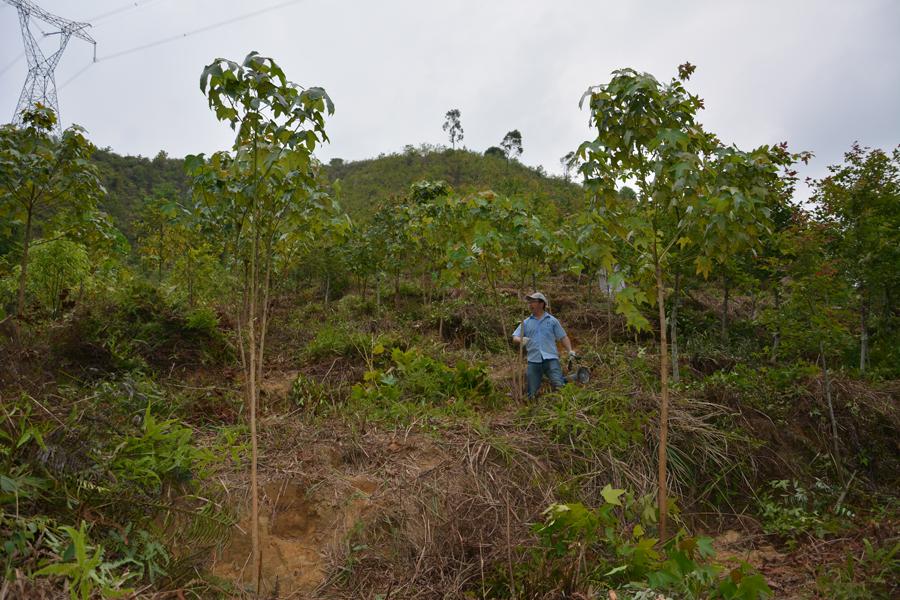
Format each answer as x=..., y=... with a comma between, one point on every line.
x=115, y=11
x=120, y=10
x=182, y=36
x=203, y=29
x=76, y=75
x=93, y=21
x=40, y=82
x=19, y=56
x=12, y=64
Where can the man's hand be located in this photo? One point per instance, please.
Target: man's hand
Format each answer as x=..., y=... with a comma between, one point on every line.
x=525, y=340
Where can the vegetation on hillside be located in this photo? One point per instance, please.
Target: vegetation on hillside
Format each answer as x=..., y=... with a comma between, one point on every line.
x=367, y=183
x=265, y=376
x=133, y=181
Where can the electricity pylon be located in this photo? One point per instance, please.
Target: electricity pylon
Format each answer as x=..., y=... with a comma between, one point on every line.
x=40, y=84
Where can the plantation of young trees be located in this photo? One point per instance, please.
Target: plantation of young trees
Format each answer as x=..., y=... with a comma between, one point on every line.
x=256, y=393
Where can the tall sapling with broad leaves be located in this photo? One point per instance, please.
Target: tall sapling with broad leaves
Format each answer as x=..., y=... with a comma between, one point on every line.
x=267, y=186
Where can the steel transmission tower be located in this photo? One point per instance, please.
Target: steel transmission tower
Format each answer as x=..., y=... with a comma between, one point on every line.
x=40, y=84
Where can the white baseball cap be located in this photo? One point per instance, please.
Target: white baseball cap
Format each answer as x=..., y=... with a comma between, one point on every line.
x=537, y=296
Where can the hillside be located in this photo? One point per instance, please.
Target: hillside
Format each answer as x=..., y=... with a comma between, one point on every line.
x=261, y=398
x=131, y=180
x=366, y=182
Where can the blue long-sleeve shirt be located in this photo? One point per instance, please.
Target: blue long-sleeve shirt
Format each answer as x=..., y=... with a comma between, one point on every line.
x=542, y=335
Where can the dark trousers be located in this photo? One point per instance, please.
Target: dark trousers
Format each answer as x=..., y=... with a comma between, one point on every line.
x=536, y=372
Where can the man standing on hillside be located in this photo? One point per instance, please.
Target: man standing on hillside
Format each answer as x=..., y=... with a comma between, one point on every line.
x=539, y=334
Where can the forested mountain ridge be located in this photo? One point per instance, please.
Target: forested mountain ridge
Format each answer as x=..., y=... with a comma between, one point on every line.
x=366, y=182
x=131, y=180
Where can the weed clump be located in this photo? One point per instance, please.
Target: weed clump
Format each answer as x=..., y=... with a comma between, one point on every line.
x=413, y=385
x=106, y=455
x=582, y=550
x=590, y=419
x=336, y=341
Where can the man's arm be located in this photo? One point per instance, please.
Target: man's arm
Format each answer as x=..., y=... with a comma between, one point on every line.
x=563, y=337
x=517, y=336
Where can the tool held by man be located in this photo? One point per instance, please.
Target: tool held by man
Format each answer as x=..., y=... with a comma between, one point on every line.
x=537, y=337
x=575, y=371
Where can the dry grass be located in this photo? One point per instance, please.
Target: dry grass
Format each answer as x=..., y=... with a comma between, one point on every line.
x=407, y=514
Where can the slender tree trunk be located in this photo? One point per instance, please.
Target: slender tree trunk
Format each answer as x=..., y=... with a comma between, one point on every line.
x=242, y=317
x=256, y=560
x=397, y=289
x=265, y=314
x=496, y=298
x=327, y=287
x=252, y=384
x=676, y=300
x=776, y=335
x=377, y=293
x=663, y=401
x=834, y=430
x=190, y=273
x=522, y=368
x=442, y=298
x=23, y=273
x=609, y=318
x=159, y=263
x=56, y=291
x=864, y=334
x=724, y=330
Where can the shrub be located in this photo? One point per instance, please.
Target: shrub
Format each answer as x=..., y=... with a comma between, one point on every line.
x=353, y=306
x=774, y=390
x=332, y=341
x=307, y=393
x=590, y=420
x=873, y=573
x=202, y=320
x=137, y=328
x=416, y=384
x=57, y=269
x=111, y=462
x=581, y=548
x=162, y=453
x=84, y=567
x=789, y=510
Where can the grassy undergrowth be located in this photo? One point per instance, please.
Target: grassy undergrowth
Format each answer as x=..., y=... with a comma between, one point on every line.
x=106, y=481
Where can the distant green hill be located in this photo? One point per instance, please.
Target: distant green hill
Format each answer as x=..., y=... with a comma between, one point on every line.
x=131, y=180
x=365, y=183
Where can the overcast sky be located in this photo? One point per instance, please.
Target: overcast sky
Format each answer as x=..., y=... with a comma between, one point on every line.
x=814, y=73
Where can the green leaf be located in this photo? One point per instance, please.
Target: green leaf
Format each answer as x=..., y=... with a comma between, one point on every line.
x=705, y=547
x=611, y=496
x=619, y=569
